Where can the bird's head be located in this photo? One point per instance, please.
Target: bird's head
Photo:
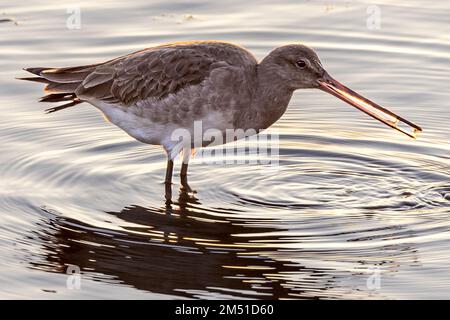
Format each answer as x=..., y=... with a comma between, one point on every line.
x=297, y=66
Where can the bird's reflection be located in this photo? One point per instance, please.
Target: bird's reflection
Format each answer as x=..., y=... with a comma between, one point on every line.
x=181, y=249
x=175, y=249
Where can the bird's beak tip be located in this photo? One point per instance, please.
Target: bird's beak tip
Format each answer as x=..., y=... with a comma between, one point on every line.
x=334, y=87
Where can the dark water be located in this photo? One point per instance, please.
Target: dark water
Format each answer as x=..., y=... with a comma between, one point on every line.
x=350, y=200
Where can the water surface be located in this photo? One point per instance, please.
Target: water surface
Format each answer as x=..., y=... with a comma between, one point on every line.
x=350, y=198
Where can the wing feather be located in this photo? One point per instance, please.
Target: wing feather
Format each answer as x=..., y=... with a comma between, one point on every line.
x=154, y=73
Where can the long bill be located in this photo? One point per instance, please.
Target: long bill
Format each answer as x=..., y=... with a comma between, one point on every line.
x=334, y=87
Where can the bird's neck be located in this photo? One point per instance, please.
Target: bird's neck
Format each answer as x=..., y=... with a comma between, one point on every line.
x=271, y=97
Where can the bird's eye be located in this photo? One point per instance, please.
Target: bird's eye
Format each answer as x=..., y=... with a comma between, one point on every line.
x=301, y=63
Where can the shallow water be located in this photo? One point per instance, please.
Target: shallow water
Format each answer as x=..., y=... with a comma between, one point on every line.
x=351, y=199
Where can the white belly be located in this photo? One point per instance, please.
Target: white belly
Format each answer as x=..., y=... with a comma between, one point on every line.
x=167, y=135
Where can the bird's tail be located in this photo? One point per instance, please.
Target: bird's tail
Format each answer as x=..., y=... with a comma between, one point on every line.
x=61, y=84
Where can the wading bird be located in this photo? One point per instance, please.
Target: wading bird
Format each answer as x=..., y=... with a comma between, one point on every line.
x=152, y=92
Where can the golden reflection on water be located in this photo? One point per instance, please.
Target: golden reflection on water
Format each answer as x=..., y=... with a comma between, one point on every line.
x=231, y=254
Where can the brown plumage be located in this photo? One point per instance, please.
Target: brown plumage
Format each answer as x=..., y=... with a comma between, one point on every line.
x=155, y=91
x=151, y=73
x=61, y=84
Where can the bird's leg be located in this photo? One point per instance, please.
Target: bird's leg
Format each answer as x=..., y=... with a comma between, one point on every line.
x=183, y=172
x=183, y=178
x=169, y=171
x=168, y=180
x=184, y=169
x=168, y=194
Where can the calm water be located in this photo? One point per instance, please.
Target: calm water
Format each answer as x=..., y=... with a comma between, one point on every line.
x=351, y=198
